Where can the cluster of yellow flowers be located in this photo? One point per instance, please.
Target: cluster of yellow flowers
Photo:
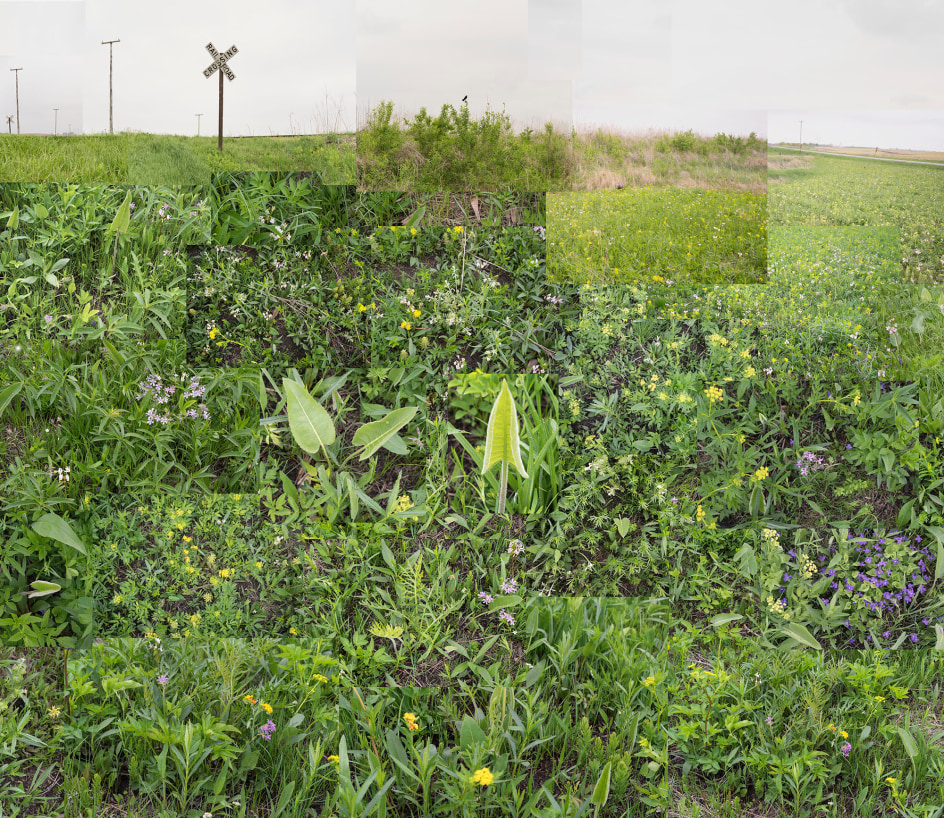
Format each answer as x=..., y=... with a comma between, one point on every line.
x=483, y=777
x=250, y=699
x=714, y=394
x=777, y=606
x=411, y=722
x=761, y=474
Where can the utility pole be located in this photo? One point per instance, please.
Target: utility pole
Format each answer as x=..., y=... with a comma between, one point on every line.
x=198, y=123
x=801, y=134
x=17, y=98
x=55, y=130
x=111, y=121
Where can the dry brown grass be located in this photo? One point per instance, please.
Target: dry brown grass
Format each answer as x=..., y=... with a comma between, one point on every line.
x=616, y=157
x=788, y=162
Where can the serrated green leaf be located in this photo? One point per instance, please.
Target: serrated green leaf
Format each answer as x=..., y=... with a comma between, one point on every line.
x=386, y=631
x=379, y=432
x=502, y=444
x=53, y=526
x=311, y=425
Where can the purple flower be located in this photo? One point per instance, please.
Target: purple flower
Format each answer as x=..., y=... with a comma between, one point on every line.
x=769, y=720
x=162, y=679
x=846, y=749
x=48, y=319
x=486, y=598
x=267, y=729
x=503, y=614
x=509, y=586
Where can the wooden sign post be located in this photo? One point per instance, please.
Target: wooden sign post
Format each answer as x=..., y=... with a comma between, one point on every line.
x=219, y=63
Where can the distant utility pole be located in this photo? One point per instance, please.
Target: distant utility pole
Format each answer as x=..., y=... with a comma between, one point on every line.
x=17, y=98
x=111, y=121
x=198, y=123
x=801, y=134
x=219, y=63
x=55, y=130
x=10, y=123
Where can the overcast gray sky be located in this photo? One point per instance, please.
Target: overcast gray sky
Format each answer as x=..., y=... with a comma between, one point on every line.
x=294, y=68
x=635, y=65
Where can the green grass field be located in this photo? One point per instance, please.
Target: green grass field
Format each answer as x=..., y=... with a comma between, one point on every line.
x=683, y=237
x=150, y=159
x=318, y=502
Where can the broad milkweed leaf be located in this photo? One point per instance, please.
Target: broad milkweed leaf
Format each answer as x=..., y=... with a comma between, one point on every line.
x=908, y=741
x=43, y=588
x=470, y=734
x=14, y=221
x=311, y=425
x=800, y=634
x=502, y=444
x=724, y=619
x=379, y=432
x=396, y=444
x=53, y=526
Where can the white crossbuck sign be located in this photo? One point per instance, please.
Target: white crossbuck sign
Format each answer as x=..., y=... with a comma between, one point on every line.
x=219, y=61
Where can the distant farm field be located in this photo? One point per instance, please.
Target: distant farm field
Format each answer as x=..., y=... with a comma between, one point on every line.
x=882, y=153
x=154, y=159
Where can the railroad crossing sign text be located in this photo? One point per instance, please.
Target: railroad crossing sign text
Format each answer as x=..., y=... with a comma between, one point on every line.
x=219, y=61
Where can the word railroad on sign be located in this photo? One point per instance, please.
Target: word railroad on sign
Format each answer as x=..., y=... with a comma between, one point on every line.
x=219, y=63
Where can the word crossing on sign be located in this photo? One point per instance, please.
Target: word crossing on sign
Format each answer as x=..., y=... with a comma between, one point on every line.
x=219, y=61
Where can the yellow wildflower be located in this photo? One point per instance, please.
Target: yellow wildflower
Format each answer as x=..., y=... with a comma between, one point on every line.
x=483, y=777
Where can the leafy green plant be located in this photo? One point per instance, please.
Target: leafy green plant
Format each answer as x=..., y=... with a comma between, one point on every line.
x=501, y=441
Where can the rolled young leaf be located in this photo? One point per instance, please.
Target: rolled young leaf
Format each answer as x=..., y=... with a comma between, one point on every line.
x=501, y=440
